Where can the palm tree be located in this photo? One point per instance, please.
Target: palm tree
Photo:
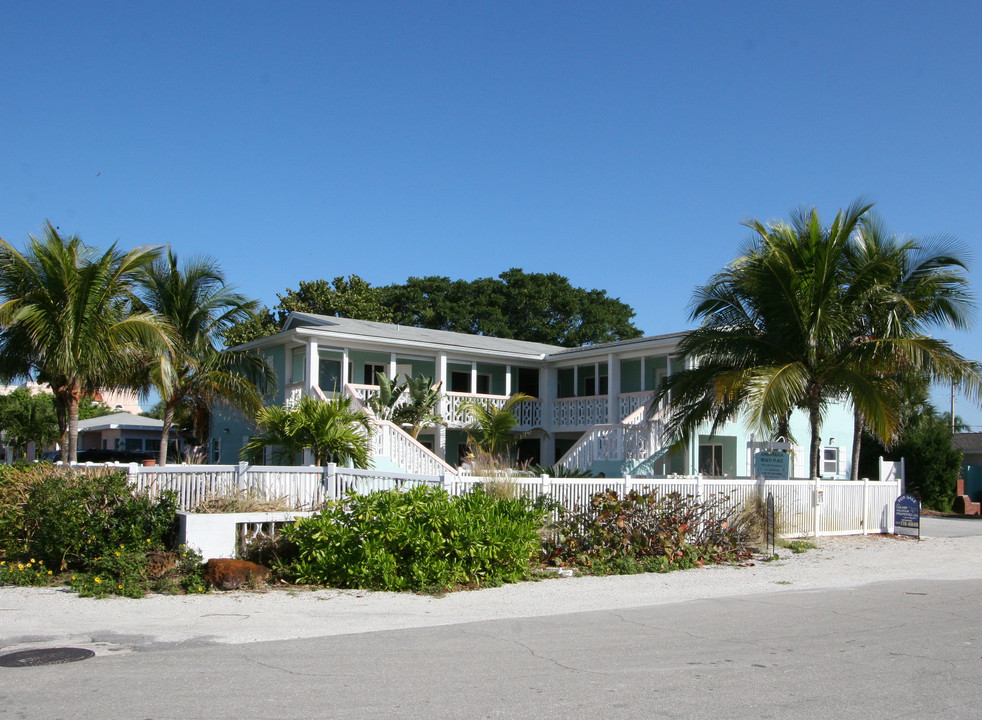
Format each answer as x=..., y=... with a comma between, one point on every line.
x=492, y=429
x=199, y=306
x=921, y=284
x=67, y=315
x=331, y=430
x=780, y=330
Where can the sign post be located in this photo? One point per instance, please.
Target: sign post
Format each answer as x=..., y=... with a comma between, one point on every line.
x=907, y=516
x=771, y=529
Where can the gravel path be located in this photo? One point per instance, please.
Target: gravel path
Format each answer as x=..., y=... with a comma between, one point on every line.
x=37, y=617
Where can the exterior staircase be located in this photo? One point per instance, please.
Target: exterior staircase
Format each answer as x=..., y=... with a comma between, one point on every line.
x=630, y=447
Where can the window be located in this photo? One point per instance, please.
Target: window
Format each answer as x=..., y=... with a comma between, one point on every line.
x=830, y=461
x=297, y=366
x=711, y=460
x=371, y=373
x=590, y=386
x=461, y=382
x=216, y=450
x=329, y=372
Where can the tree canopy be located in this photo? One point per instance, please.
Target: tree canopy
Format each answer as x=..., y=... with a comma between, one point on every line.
x=536, y=307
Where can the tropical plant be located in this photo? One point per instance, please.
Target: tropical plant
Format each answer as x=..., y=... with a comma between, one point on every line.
x=782, y=328
x=27, y=418
x=192, y=374
x=389, y=393
x=492, y=429
x=67, y=317
x=418, y=412
x=331, y=430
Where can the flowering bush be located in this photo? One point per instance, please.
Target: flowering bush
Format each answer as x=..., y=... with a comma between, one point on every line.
x=647, y=532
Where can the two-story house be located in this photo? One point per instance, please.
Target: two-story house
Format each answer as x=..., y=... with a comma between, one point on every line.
x=588, y=408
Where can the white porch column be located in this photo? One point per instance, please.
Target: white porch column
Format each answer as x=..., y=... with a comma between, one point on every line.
x=392, y=366
x=443, y=408
x=548, y=389
x=508, y=380
x=473, y=378
x=312, y=367
x=613, y=389
x=344, y=370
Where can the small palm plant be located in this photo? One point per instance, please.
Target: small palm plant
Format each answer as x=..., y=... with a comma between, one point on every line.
x=419, y=412
x=333, y=431
x=492, y=429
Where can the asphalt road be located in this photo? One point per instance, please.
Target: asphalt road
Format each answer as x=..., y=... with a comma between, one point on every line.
x=898, y=650
x=951, y=527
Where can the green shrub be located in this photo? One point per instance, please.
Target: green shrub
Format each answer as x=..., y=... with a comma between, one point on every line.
x=646, y=532
x=88, y=529
x=420, y=539
x=72, y=519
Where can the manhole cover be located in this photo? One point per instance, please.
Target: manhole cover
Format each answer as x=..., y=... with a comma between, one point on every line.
x=44, y=656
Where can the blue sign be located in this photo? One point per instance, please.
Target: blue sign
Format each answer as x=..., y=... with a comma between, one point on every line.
x=907, y=516
x=773, y=465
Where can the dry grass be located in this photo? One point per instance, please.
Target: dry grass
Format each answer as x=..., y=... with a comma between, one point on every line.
x=241, y=501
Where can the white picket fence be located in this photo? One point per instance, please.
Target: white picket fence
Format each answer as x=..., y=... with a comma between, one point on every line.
x=807, y=507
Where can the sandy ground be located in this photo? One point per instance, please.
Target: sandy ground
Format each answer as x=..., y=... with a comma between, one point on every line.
x=45, y=617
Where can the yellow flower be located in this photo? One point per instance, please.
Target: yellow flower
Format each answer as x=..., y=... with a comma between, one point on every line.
x=119, y=587
x=98, y=580
x=49, y=572
x=148, y=539
x=20, y=566
x=122, y=547
x=32, y=559
x=201, y=589
x=117, y=553
x=73, y=577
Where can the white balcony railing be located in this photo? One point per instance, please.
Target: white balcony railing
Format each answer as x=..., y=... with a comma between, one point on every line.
x=579, y=412
x=528, y=413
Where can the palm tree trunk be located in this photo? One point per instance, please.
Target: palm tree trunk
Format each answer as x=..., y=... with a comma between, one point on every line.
x=165, y=433
x=61, y=410
x=73, y=400
x=815, y=420
x=857, y=444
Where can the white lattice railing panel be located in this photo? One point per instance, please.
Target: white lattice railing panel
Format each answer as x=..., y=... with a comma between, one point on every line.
x=579, y=412
x=528, y=413
x=628, y=403
x=292, y=395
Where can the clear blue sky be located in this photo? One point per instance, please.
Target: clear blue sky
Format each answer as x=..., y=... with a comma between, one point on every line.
x=619, y=144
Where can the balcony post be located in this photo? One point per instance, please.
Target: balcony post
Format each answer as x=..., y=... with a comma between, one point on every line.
x=443, y=407
x=613, y=389
x=313, y=367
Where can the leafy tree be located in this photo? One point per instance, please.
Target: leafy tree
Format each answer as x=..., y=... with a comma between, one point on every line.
x=349, y=297
x=536, y=307
x=492, y=429
x=89, y=408
x=782, y=327
x=261, y=324
x=932, y=464
x=198, y=305
x=331, y=430
x=27, y=418
x=67, y=314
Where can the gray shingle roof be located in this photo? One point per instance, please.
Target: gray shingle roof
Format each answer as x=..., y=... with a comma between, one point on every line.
x=121, y=420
